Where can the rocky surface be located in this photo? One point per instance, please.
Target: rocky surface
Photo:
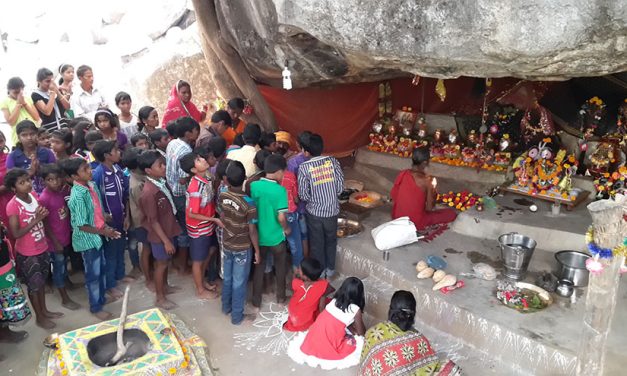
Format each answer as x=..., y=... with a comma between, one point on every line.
x=140, y=46
x=361, y=40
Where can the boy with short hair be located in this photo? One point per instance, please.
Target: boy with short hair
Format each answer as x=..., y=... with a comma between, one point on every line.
x=88, y=225
x=294, y=239
x=91, y=137
x=292, y=166
x=140, y=140
x=136, y=233
x=246, y=154
x=113, y=186
x=58, y=228
x=200, y=220
x=187, y=130
x=159, y=221
x=320, y=181
x=43, y=138
x=160, y=138
x=239, y=234
x=271, y=201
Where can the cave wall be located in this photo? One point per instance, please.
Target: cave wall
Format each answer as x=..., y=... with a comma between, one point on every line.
x=367, y=40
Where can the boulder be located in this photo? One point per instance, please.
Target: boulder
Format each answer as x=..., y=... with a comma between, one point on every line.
x=154, y=18
x=364, y=40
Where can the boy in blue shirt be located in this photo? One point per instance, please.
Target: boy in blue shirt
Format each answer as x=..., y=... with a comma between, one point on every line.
x=113, y=186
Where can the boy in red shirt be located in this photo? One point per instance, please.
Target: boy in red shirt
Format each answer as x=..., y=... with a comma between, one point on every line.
x=159, y=220
x=200, y=219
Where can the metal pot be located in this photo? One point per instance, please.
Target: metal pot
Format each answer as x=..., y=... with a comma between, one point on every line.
x=516, y=251
x=565, y=288
x=571, y=265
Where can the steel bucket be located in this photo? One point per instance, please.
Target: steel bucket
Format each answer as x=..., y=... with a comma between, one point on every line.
x=516, y=251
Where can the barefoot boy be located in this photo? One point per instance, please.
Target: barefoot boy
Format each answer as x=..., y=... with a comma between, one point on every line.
x=58, y=228
x=159, y=220
x=200, y=220
x=239, y=238
x=113, y=186
x=88, y=228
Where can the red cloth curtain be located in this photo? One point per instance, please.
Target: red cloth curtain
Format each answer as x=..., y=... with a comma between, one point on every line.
x=341, y=114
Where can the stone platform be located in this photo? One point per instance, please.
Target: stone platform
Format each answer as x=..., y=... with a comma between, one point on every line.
x=375, y=162
x=483, y=335
x=552, y=232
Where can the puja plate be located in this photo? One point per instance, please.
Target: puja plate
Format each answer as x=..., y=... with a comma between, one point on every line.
x=544, y=296
x=347, y=228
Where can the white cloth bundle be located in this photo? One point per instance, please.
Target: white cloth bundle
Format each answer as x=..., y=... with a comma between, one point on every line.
x=396, y=233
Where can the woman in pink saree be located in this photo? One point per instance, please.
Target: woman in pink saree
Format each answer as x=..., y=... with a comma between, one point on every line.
x=180, y=104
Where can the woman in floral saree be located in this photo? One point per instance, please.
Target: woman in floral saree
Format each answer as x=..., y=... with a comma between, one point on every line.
x=394, y=347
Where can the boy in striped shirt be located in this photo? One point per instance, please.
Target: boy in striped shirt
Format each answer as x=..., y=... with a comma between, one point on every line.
x=320, y=181
x=200, y=219
x=88, y=225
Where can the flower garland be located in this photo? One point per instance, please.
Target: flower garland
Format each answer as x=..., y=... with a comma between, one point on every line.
x=544, y=127
x=593, y=264
x=553, y=171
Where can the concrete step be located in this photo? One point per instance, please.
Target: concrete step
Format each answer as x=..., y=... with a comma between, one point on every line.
x=480, y=338
x=472, y=361
x=542, y=343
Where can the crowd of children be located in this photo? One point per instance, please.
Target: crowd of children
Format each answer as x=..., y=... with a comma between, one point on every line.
x=223, y=197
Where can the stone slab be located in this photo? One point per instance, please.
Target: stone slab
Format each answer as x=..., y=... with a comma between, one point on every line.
x=542, y=343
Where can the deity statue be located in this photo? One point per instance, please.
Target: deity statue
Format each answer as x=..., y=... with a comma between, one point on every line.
x=536, y=124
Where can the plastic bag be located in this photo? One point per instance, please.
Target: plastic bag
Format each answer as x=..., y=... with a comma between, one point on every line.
x=484, y=271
